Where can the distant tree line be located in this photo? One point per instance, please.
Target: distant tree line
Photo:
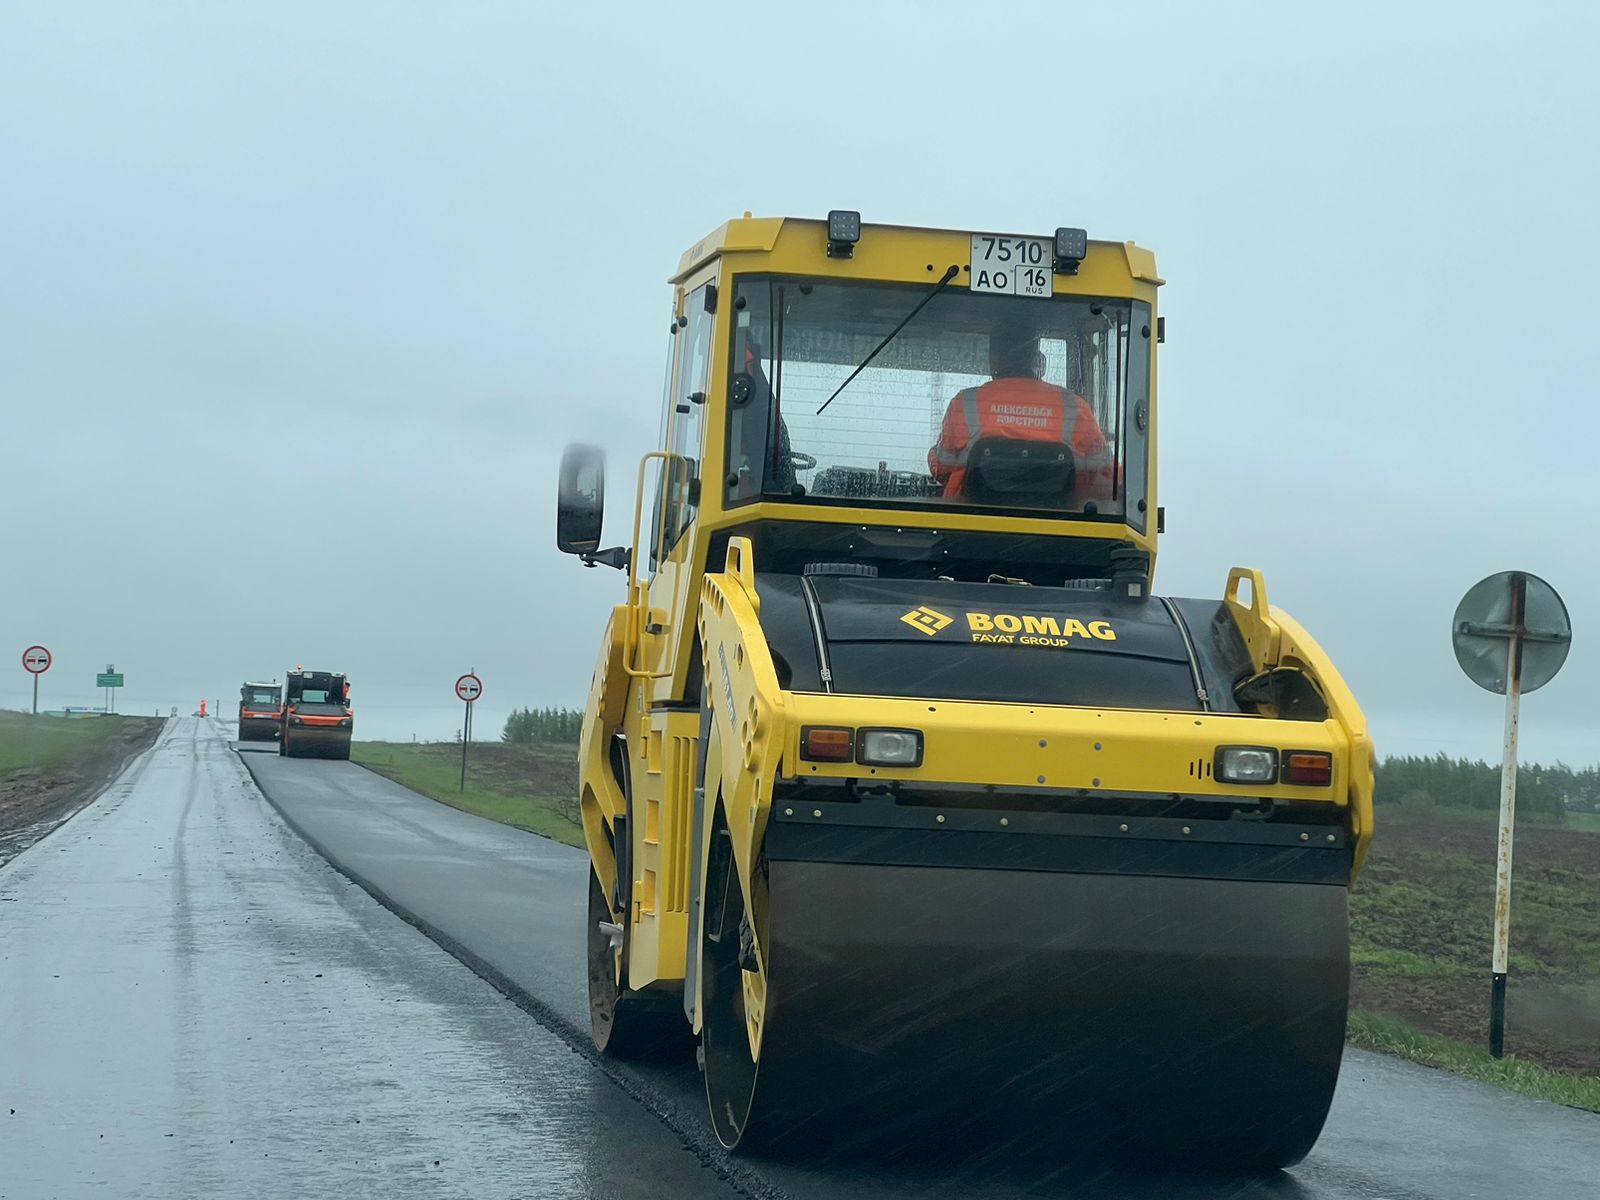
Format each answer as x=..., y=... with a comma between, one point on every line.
x=1549, y=791
x=527, y=726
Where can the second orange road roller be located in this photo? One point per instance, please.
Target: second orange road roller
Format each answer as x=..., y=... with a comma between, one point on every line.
x=260, y=711
x=903, y=791
x=318, y=721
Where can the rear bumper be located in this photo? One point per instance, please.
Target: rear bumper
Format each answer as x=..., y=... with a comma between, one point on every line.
x=879, y=832
x=1092, y=756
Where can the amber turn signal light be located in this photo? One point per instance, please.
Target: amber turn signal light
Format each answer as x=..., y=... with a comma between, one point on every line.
x=1313, y=768
x=827, y=743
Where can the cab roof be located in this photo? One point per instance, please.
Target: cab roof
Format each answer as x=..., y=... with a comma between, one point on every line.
x=760, y=235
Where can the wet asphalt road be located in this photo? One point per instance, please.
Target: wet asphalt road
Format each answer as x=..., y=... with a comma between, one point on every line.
x=512, y=904
x=194, y=1004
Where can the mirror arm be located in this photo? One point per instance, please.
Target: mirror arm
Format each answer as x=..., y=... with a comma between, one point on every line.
x=616, y=556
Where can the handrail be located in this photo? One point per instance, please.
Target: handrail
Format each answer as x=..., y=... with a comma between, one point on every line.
x=632, y=631
x=1261, y=633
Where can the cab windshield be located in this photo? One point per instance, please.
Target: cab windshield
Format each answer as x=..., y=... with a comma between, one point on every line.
x=263, y=698
x=980, y=400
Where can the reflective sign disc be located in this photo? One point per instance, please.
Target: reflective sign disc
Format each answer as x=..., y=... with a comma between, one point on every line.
x=1485, y=624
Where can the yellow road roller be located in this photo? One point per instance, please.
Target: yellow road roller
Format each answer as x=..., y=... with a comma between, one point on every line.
x=904, y=793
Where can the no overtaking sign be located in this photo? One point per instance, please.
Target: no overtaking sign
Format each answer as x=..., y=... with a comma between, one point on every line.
x=36, y=661
x=469, y=687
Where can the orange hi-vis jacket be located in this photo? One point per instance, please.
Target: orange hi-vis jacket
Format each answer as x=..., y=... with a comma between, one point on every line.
x=1025, y=410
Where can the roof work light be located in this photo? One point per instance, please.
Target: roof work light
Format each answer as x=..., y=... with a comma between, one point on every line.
x=844, y=231
x=1071, y=246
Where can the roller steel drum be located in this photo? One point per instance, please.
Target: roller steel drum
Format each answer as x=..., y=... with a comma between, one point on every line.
x=1159, y=1015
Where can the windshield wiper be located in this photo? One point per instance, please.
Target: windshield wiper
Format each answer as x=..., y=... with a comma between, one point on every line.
x=949, y=274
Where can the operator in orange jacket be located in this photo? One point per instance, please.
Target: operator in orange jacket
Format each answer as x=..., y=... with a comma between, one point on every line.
x=1016, y=404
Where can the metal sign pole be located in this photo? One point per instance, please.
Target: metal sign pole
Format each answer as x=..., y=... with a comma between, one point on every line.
x=1508, y=815
x=35, y=661
x=1511, y=634
x=468, y=688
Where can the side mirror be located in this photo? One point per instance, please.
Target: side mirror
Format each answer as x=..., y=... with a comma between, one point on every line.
x=580, y=499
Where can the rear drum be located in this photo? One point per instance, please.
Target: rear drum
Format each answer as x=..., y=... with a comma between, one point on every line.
x=1195, y=1021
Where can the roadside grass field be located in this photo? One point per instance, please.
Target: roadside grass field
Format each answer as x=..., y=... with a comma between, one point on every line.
x=1586, y=822
x=46, y=743
x=1421, y=924
x=532, y=787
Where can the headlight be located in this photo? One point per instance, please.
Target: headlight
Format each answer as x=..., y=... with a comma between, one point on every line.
x=889, y=747
x=345, y=724
x=1247, y=764
x=296, y=721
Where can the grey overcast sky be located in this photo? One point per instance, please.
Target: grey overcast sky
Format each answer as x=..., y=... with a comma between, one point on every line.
x=300, y=301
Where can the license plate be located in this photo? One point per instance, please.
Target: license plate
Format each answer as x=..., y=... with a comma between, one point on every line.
x=1011, y=266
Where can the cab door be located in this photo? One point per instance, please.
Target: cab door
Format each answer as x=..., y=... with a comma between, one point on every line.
x=663, y=725
x=669, y=613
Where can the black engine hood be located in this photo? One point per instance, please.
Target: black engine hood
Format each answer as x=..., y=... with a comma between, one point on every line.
x=1001, y=642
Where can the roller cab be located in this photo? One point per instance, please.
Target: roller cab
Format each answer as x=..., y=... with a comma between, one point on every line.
x=904, y=793
x=318, y=721
x=260, y=711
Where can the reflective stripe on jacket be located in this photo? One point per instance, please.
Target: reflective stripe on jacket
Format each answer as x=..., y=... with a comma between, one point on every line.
x=1024, y=410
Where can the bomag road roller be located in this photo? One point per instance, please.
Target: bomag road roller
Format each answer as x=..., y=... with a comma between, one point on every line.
x=260, y=711
x=317, y=719
x=902, y=790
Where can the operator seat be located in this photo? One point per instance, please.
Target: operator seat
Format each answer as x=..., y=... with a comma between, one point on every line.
x=1017, y=472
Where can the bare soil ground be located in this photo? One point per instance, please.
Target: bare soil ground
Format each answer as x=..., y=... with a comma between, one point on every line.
x=36, y=799
x=1422, y=919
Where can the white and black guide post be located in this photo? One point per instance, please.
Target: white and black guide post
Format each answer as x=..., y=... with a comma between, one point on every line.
x=36, y=661
x=468, y=688
x=1511, y=634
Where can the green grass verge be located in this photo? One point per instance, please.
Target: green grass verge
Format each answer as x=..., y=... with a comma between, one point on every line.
x=46, y=743
x=1584, y=822
x=1388, y=1035
x=533, y=788
x=1403, y=961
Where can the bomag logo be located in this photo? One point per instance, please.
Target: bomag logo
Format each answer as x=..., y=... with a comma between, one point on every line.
x=1029, y=629
x=927, y=620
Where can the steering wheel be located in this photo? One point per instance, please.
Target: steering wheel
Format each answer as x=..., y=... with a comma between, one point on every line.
x=801, y=462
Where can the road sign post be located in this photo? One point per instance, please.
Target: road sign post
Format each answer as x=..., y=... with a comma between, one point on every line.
x=1511, y=635
x=109, y=679
x=36, y=661
x=468, y=688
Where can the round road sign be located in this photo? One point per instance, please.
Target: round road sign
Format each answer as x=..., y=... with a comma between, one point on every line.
x=36, y=660
x=1508, y=616
x=469, y=688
